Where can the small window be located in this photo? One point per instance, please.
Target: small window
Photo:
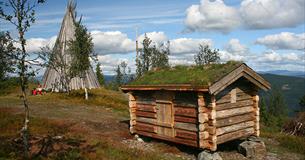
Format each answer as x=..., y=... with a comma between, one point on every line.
x=233, y=95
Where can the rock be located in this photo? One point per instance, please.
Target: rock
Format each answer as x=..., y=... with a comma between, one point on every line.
x=207, y=155
x=254, y=148
x=137, y=137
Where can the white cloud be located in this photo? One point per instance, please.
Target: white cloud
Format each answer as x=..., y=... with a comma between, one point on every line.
x=284, y=40
x=284, y=58
x=252, y=14
x=109, y=63
x=211, y=16
x=112, y=42
x=156, y=37
x=35, y=44
x=271, y=60
x=187, y=45
x=234, y=47
x=228, y=56
x=264, y=14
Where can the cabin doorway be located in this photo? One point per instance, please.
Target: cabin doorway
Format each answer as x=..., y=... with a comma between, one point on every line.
x=165, y=115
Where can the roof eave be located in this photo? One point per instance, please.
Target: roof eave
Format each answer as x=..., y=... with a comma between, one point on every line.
x=168, y=87
x=242, y=71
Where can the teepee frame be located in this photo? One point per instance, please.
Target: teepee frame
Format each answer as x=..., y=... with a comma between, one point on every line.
x=56, y=77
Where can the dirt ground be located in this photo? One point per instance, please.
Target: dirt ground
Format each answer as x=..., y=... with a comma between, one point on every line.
x=93, y=123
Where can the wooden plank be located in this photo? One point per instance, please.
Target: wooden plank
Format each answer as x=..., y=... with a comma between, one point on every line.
x=234, y=112
x=235, y=127
x=234, y=120
x=146, y=114
x=188, y=112
x=186, y=134
x=185, y=104
x=146, y=120
x=178, y=140
x=145, y=127
x=146, y=107
x=235, y=135
x=186, y=119
x=257, y=77
x=186, y=126
x=226, y=80
x=242, y=103
x=239, y=97
x=148, y=102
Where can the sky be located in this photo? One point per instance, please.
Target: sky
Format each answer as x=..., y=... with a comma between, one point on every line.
x=265, y=34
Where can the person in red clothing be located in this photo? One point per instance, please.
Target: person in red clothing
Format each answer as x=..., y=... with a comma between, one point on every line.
x=34, y=92
x=39, y=89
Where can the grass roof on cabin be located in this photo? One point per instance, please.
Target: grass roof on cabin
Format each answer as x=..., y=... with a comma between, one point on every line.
x=194, y=75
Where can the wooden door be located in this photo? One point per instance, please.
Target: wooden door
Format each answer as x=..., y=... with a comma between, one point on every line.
x=165, y=115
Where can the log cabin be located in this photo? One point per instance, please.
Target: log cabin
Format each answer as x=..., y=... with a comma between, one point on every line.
x=200, y=106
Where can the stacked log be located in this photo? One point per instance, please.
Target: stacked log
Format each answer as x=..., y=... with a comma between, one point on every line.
x=146, y=116
x=207, y=121
x=256, y=113
x=186, y=121
x=132, y=113
x=235, y=118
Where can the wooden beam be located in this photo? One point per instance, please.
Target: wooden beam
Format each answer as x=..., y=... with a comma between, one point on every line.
x=186, y=126
x=146, y=114
x=234, y=112
x=186, y=119
x=235, y=127
x=187, y=112
x=234, y=120
x=169, y=87
x=186, y=134
x=235, y=135
x=242, y=103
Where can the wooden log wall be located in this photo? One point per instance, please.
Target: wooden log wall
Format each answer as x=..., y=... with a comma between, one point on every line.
x=186, y=117
x=237, y=113
x=185, y=124
x=207, y=121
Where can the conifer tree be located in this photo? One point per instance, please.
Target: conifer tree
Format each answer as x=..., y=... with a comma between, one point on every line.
x=263, y=111
x=302, y=103
x=99, y=75
x=81, y=50
x=119, y=76
x=6, y=60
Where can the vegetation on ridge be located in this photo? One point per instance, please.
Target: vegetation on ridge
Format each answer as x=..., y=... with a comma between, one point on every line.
x=195, y=75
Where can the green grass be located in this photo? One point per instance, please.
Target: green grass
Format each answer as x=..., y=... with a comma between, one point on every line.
x=195, y=75
x=117, y=101
x=288, y=143
x=97, y=147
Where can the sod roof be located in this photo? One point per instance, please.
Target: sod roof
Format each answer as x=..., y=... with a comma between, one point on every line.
x=193, y=75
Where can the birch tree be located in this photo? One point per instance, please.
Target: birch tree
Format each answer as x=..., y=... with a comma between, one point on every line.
x=21, y=14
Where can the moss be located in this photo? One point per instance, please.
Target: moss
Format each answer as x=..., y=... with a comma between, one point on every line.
x=194, y=75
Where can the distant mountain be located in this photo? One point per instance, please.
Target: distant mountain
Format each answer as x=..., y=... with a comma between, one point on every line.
x=293, y=88
x=286, y=73
x=108, y=78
